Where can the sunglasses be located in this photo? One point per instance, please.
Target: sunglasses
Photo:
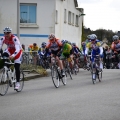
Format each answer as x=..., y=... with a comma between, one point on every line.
x=7, y=32
x=93, y=40
x=115, y=40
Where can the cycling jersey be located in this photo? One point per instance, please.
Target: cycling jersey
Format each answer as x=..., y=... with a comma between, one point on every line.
x=76, y=49
x=35, y=48
x=116, y=47
x=14, y=47
x=66, y=50
x=54, y=46
x=96, y=49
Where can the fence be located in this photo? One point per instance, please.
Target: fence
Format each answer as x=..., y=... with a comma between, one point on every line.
x=30, y=57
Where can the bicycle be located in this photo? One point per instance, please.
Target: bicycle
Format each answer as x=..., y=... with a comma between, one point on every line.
x=8, y=78
x=75, y=66
x=67, y=67
x=95, y=69
x=56, y=74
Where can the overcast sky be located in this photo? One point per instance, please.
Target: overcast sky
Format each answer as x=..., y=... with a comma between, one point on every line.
x=101, y=14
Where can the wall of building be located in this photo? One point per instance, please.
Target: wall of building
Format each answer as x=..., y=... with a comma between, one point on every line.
x=63, y=29
x=29, y=32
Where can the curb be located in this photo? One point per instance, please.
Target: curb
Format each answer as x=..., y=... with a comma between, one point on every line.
x=27, y=78
x=34, y=76
x=31, y=77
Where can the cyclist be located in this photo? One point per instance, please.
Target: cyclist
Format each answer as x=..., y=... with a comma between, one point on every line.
x=42, y=48
x=115, y=46
x=55, y=45
x=96, y=49
x=67, y=52
x=13, y=51
x=88, y=39
x=75, y=48
x=34, y=51
x=83, y=44
x=42, y=51
x=76, y=53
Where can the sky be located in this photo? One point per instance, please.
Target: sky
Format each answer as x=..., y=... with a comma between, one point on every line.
x=104, y=14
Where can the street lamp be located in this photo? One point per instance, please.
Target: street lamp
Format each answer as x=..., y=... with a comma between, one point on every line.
x=81, y=14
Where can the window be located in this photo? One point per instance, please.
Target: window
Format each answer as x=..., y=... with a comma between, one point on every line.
x=56, y=17
x=28, y=13
x=77, y=20
x=65, y=15
x=69, y=17
x=72, y=18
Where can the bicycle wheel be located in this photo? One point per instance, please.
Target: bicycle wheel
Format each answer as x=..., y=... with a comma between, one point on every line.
x=93, y=73
x=21, y=81
x=100, y=76
x=4, y=83
x=55, y=76
x=69, y=72
x=64, y=79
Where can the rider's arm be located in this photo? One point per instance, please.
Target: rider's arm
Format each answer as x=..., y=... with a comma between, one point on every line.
x=101, y=50
x=1, y=42
x=87, y=48
x=17, y=46
x=79, y=50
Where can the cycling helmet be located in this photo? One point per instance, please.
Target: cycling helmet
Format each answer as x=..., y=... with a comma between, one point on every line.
x=69, y=42
x=93, y=37
x=115, y=37
x=88, y=37
x=74, y=44
x=62, y=41
x=66, y=41
x=43, y=44
x=51, y=36
x=7, y=29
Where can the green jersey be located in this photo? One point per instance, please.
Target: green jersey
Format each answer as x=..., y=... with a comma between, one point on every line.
x=66, y=49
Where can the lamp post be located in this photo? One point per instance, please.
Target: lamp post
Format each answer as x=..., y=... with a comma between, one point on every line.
x=81, y=15
x=18, y=19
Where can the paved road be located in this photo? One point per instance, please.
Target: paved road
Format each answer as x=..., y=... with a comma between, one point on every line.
x=78, y=100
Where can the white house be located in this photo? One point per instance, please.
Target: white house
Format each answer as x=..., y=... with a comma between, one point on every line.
x=39, y=18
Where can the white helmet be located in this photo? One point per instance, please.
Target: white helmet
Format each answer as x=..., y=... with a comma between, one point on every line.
x=115, y=37
x=88, y=37
x=93, y=37
x=51, y=36
x=7, y=29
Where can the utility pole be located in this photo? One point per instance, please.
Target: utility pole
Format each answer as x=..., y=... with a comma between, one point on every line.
x=18, y=19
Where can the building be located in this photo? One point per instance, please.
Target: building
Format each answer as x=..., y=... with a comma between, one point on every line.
x=39, y=18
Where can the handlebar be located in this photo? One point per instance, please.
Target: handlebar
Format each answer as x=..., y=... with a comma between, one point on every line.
x=7, y=58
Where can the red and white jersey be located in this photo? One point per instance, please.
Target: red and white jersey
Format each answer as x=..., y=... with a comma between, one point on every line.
x=13, y=45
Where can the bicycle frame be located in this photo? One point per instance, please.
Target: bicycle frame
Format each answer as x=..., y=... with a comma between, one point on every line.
x=8, y=78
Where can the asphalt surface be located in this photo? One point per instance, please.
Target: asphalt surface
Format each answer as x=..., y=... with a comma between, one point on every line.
x=78, y=100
